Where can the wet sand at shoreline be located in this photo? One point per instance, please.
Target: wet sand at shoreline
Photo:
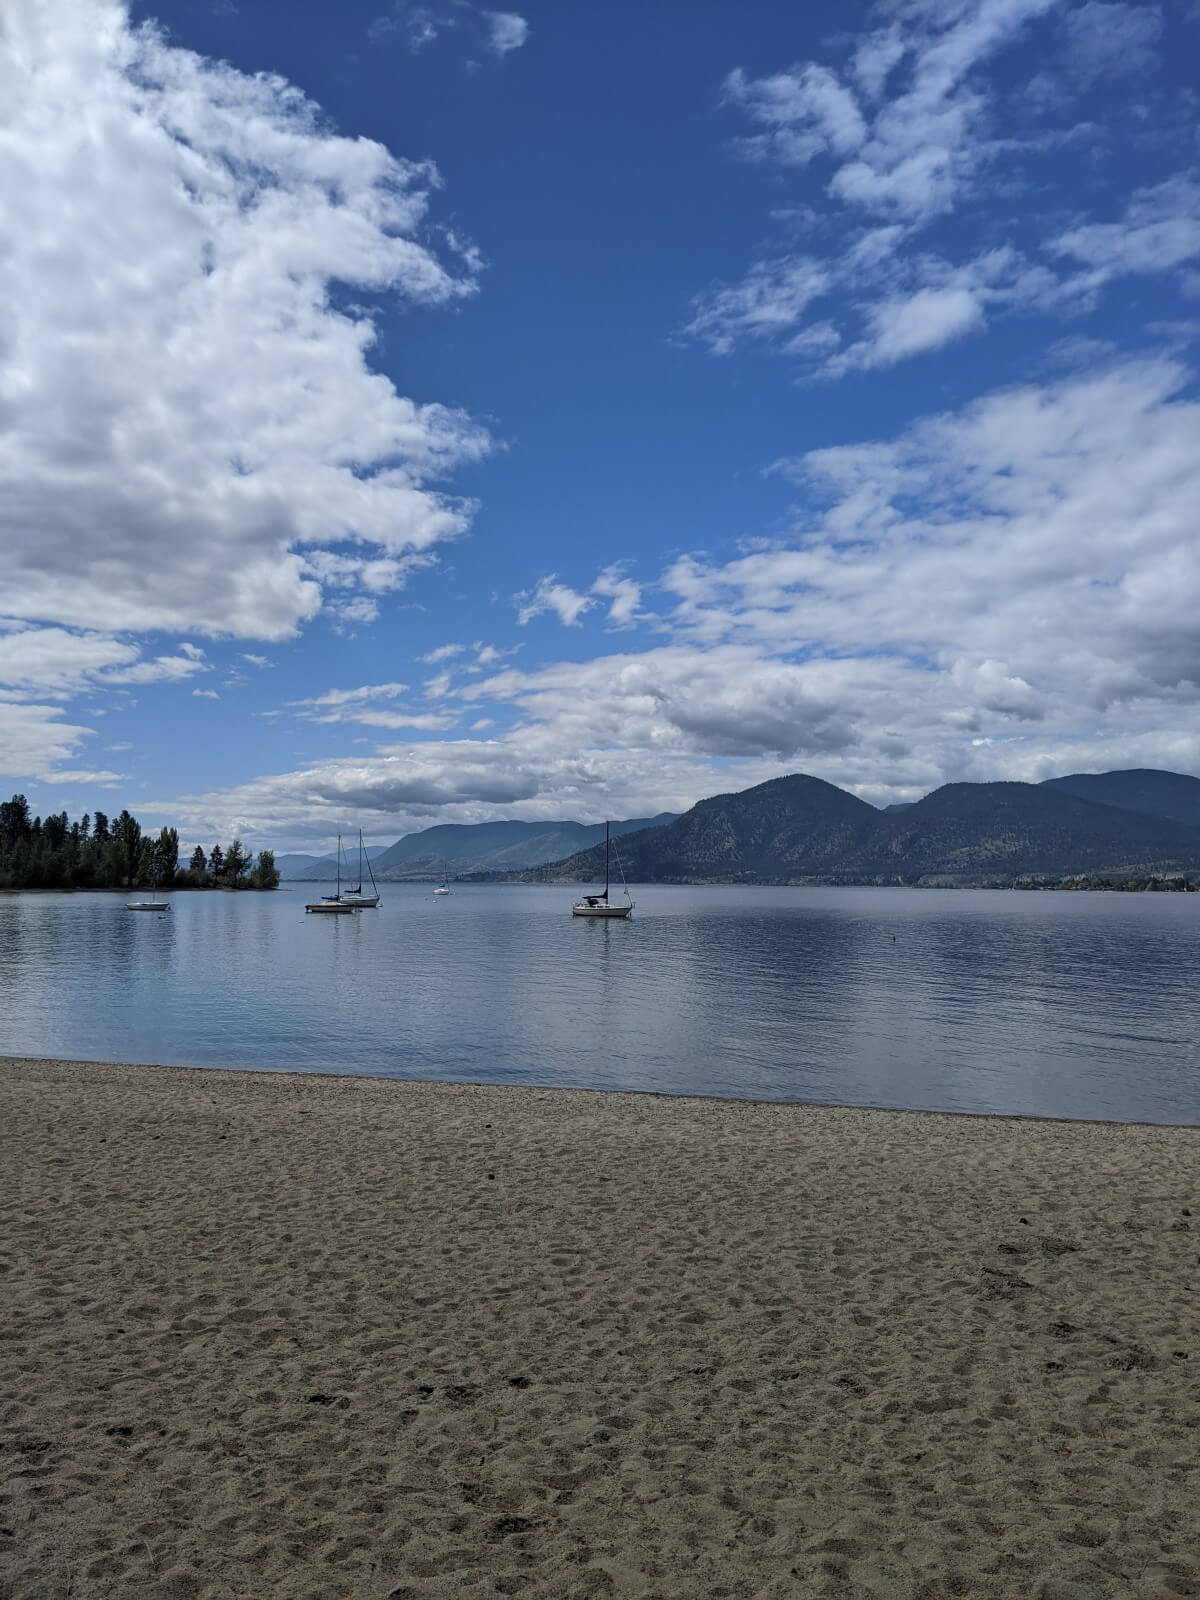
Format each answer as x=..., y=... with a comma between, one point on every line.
x=289, y=1335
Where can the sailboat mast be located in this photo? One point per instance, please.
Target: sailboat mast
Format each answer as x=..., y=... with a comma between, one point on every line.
x=339, y=867
x=606, y=860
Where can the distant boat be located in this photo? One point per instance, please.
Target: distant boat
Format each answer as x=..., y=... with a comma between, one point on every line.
x=598, y=905
x=356, y=897
x=443, y=887
x=149, y=905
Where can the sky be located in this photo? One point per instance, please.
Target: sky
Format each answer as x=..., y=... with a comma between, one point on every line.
x=425, y=413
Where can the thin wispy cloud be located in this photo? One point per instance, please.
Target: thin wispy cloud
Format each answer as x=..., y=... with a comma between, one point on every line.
x=558, y=599
x=910, y=130
x=497, y=33
x=622, y=593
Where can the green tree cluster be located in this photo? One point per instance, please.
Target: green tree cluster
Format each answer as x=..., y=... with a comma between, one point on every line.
x=98, y=853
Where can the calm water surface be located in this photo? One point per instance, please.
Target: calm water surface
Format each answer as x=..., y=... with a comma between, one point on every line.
x=1079, y=1005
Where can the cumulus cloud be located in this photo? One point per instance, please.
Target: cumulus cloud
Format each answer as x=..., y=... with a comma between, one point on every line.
x=508, y=31
x=190, y=415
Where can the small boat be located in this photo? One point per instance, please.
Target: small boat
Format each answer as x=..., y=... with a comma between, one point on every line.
x=355, y=897
x=443, y=887
x=149, y=905
x=598, y=905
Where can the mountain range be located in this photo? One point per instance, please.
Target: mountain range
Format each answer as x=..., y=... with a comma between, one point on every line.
x=478, y=848
x=800, y=829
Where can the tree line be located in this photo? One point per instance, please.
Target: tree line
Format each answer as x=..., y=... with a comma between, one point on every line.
x=98, y=853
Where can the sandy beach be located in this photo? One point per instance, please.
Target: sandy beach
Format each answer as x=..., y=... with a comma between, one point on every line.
x=286, y=1335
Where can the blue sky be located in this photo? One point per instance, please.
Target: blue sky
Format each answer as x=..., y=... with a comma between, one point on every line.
x=434, y=413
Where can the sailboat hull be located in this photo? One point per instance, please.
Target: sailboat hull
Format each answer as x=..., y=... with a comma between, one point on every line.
x=582, y=909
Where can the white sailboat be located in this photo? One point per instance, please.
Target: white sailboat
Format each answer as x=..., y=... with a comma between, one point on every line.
x=356, y=896
x=334, y=902
x=152, y=904
x=443, y=887
x=599, y=905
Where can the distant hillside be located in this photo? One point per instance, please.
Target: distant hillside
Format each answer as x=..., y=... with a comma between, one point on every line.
x=800, y=829
x=789, y=827
x=1005, y=830
x=1174, y=795
x=494, y=846
x=319, y=869
x=489, y=847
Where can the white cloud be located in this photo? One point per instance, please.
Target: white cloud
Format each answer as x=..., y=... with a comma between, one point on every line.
x=35, y=738
x=53, y=660
x=55, y=664
x=926, y=320
x=205, y=694
x=770, y=300
x=624, y=595
x=444, y=652
x=566, y=604
x=369, y=705
x=1005, y=591
x=177, y=245
x=508, y=31
x=807, y=112
x=1111, y=40
x=921, y=149
x=1159, y=232
x=912, y=131
x=335, y=701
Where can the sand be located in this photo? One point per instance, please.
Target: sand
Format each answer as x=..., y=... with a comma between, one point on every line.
x=284, y=1335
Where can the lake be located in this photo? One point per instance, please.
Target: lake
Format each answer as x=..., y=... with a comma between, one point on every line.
x=1068, y=1005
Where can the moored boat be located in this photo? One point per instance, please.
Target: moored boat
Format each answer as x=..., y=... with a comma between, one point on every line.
x=599, y=905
